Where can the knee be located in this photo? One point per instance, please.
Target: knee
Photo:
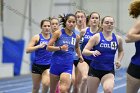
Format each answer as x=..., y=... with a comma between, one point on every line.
x=45, y=83
x=36, y=87
x=84, y=79
x=63, y=89
x=108, y=90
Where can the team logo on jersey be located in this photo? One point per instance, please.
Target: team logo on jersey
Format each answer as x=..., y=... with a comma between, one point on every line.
x=70, y=41
x=104, y=45
x=87, y=36
x=112, y=45
x=44, y=42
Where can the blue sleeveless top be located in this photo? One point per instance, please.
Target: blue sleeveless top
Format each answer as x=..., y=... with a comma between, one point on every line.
x=42, y=56
x=136, y=58
x=105, y=61
x=65, y=57
x=86, y=38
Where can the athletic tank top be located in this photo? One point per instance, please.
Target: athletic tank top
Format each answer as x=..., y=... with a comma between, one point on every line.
x=65, y=57
x=136, y=58
x=105, y=61
x=43, y=56
x=86, y=38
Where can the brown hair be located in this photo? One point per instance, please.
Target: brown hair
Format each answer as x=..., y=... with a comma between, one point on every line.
x=42, y=22
x=89, y=16
x=134, y=8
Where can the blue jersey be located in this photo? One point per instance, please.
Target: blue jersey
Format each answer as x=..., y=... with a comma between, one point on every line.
x=105, y=61
x=86, y=38
x=64, y=58
x=42, y=56
x=136, y=58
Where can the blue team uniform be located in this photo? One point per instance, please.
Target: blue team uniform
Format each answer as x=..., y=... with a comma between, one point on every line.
x=136, y=58
x=105, y=61
x=86, y=38
x=62, y=61
x=42, y=56
x=134, y=66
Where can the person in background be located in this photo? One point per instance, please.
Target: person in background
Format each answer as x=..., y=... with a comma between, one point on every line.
x=133, y=71
x=54, y=24
x=41, y=64
x=76, y=75
x=94, y=25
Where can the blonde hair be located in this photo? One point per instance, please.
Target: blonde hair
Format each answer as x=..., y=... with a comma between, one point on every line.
x=134, y=8
x=80, y=11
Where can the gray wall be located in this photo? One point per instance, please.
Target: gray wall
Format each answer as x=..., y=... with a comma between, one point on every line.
x=16, y=12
